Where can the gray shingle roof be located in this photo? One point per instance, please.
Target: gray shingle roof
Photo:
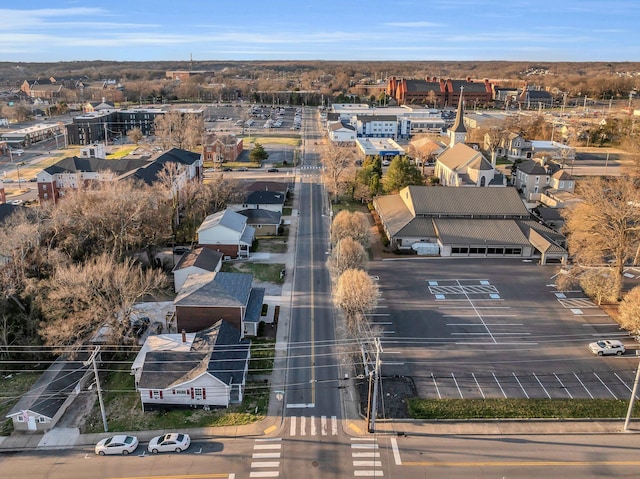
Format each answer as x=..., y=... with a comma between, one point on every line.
x=265, y=198
x=52, y=388
x=75, y=164
x=261, y=216
x=217, y=350
x=254, y=308
x=215, y=289
x=203, y=258
x=227, y=218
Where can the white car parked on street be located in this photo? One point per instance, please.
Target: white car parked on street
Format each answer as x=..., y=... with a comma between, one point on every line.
x=119, y=444
x=172, y=442
x=605, y=347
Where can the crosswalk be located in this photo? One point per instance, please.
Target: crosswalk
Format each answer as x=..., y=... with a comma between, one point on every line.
x=313, y=426
x=265, y=460
x=366, y=457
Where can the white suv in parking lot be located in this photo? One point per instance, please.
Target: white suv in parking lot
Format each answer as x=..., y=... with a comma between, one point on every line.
x=605, y=347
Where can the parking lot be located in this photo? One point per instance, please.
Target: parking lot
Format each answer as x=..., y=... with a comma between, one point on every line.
x=475, y=328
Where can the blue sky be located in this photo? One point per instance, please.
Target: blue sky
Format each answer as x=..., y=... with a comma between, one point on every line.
x=543, y=30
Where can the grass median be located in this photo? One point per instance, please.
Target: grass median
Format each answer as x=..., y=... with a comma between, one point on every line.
x=463, y=409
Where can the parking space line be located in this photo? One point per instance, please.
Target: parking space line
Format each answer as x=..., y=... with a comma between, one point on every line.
x=474, y=324
x=624, y=383
x=563, y=386
x=602, y=382
x=585, y=387
x=436, y=385
x=520, y=384
x=499, y=385
x=542, y=386
x=457, y=387
x=478, y=385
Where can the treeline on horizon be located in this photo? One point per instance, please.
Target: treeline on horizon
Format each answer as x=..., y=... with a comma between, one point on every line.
x=597, y=79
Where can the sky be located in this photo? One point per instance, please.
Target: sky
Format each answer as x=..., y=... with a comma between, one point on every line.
x=372, y=30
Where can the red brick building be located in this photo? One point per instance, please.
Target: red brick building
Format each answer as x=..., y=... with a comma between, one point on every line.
x=439, y=92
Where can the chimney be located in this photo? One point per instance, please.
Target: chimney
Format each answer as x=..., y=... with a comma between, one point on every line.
x=184, y=336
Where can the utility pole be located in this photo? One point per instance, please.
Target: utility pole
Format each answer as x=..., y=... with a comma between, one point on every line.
x=373, y=391
x=92, y=360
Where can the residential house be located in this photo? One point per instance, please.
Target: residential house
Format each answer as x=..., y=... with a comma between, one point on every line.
x=279, y=186
x=202, y=370
x=41, y=408
x=265, y=222
x=544, y=181
x=475, y=222
x=513, y=146
x=222, y=148
x=265, y=200
x=207, y=297
x=228, y=232
x=563, y=154
x=341, y=132
x=197, y=261
x=92, y=106
x=188, y=167
x=425, y=150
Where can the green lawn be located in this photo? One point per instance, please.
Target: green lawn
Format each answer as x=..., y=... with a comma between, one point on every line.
x=269, y=272
x=518, y=408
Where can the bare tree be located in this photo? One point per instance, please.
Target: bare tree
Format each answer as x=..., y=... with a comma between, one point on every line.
x=347, y=254
x=356, y=295
x=81, y=298
x=175, y=129
x=135, y=135
x=494, y=137
x=604, y=230
x=113, y=216
x=355, y=225
x=338, y=168
x=629, y=311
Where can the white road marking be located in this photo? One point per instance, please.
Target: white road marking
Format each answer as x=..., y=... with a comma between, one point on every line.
x=521, y=387
x=478, y=385
x=373, y=473
x=563, y=386
x=396, y=451
x=602, y=382
x=367, y=454
x=541, y=385
x=292, y=427
x=334, y=425
x=266, y=464
x=499, y=385
x=312, y=421
x=585, y=387
x=264, y=474
x=265, y=455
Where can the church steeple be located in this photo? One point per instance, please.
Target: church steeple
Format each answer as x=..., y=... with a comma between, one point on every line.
x=458, y=132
